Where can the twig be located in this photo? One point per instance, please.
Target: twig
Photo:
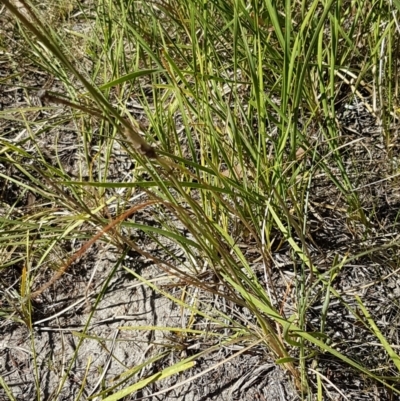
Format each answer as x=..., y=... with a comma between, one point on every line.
x=138, y=143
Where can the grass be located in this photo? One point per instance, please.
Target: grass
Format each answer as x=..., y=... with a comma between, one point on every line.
x=243, y=155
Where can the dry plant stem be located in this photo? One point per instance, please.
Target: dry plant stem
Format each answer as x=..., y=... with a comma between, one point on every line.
x=138, y=143
x=88, y=244
x=46, y=96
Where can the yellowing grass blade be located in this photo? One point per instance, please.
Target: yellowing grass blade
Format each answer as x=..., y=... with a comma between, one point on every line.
x=393, y=356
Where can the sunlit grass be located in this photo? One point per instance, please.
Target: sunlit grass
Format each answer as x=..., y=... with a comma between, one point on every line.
x=237, y=120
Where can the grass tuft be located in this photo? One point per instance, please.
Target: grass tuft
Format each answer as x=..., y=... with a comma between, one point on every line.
x=244, y=153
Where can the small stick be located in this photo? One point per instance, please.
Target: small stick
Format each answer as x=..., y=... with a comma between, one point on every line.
x=139, y=144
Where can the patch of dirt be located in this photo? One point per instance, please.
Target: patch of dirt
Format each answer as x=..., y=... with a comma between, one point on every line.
x=62, y=315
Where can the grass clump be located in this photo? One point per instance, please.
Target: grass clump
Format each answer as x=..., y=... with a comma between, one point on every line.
x=246, y=152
